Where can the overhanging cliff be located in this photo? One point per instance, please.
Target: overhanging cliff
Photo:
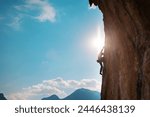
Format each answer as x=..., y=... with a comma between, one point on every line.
x=127, y=49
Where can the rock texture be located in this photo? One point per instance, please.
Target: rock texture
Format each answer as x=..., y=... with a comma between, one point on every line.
x=127, y=49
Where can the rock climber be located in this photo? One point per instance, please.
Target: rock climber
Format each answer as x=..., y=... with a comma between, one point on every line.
x=100, y=60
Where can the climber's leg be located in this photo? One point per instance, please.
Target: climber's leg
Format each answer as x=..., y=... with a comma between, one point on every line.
x=101, y=68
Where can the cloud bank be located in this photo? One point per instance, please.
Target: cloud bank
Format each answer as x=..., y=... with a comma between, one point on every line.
x=57, y=86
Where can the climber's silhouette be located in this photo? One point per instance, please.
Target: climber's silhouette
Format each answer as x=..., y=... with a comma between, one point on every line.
x=101, y=60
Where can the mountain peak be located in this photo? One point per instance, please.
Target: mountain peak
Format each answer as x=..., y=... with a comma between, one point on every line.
x=79, y=94
x=83, y=94
x=52, y=97
x=2, y=97
x=84, y=89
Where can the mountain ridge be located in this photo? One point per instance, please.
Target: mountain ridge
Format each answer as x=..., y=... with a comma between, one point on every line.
x=79, y=94
x=2, y=97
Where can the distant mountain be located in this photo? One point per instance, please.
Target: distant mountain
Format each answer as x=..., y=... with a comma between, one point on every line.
x=52, y=97
x=79, y=94
x=2, y=97
x=83, y=94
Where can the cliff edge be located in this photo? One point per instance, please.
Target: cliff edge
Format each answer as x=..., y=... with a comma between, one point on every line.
x=127, y=49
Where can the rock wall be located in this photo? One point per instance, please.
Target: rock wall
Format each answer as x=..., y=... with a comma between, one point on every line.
x=127, y=49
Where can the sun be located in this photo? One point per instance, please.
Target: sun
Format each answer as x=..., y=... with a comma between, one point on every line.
x=96, y=42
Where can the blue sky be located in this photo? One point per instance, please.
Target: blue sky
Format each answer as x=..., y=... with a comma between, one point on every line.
x=45, y=41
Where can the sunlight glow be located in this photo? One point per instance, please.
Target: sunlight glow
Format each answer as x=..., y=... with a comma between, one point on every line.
x=96, y=43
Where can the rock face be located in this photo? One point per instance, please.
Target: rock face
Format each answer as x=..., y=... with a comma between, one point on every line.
x=127, y=49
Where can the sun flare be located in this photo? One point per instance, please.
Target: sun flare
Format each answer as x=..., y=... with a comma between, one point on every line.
x=97, y=41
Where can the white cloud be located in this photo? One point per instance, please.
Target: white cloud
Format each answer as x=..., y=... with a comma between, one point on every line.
x=56, y=86
x=47, y=14
x=24, y=8
x=46, y=11
x=15, y=23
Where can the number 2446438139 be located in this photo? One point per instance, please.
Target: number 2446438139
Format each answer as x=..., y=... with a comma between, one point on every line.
x=106, y=109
